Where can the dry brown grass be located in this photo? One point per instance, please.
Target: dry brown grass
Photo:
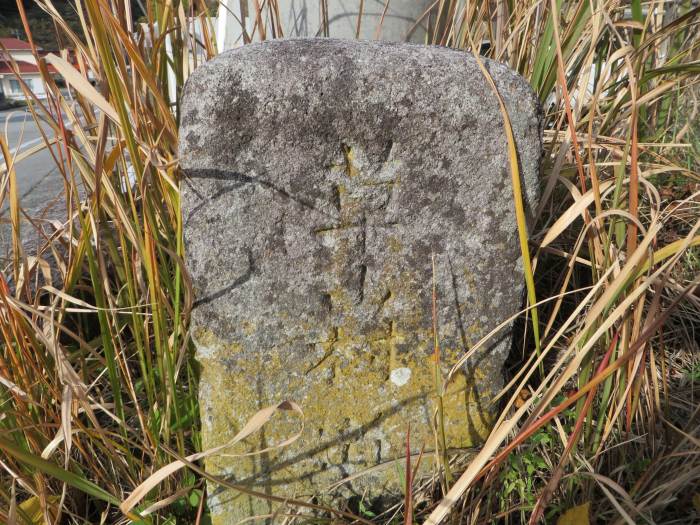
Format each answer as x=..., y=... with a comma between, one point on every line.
x=98, y=383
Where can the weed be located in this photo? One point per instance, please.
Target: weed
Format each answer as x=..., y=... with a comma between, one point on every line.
x=98, y=379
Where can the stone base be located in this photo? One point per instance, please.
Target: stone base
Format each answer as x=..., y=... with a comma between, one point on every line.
x=358, y=408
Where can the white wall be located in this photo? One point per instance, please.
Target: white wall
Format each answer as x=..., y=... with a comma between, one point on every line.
x=13, y=90
x=23, y=56
x=303, y=18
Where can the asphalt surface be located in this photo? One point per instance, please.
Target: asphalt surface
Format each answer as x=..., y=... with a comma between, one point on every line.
x=40, y=183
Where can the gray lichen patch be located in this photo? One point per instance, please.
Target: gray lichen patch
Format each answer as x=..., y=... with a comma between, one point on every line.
x=323, y=175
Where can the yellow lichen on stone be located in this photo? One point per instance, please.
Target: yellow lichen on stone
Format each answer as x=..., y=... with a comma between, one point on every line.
x=394, y=245
x=347, y=166
x=355, y=416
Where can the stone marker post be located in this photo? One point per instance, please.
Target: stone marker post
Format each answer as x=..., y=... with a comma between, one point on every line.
x=322, y=177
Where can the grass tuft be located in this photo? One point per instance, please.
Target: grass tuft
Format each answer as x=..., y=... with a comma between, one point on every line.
x=98, y=386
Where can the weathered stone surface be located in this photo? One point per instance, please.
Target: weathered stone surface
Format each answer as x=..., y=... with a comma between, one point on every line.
x=322, y=176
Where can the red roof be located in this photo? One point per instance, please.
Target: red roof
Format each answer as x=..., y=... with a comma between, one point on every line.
x=14, y=44
x=23, y=67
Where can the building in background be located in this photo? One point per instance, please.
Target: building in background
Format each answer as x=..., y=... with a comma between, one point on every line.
x=19, y=51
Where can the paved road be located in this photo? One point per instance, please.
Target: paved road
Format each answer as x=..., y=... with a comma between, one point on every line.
x=40, y=183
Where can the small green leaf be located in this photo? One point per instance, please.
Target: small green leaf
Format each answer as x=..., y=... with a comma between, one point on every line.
x=195, y=497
